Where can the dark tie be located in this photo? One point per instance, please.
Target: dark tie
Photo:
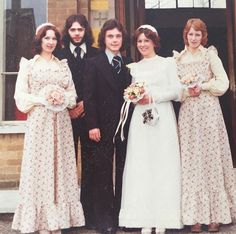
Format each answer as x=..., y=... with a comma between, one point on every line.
x=78, y=53
x=116, y=63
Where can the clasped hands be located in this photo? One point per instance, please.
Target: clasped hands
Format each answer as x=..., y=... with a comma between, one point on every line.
x=194, y=91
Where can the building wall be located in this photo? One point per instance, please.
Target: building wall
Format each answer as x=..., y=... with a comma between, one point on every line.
x=58, y=11
x=11, y=146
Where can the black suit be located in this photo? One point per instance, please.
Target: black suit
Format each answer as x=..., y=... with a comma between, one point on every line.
x=103, y=98
x=79, y=130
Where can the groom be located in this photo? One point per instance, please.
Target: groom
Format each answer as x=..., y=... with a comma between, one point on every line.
x=106, y=79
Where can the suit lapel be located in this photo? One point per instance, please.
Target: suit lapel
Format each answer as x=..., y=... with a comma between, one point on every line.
x=108, y=72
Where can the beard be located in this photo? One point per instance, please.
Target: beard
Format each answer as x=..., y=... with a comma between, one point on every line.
x=78, y=43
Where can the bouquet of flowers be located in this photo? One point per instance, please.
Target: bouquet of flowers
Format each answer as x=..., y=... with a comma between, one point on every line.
x=189, y=81
x=134, y=92
x=55, y=97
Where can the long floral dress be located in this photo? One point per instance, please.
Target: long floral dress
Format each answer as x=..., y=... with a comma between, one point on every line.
x=208, y=183
x=49, y=193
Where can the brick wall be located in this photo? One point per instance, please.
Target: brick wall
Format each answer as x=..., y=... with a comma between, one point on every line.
x=59, y=10
x=11, y=146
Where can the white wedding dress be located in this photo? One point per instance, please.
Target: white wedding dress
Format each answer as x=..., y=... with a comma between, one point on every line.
x=151, y=181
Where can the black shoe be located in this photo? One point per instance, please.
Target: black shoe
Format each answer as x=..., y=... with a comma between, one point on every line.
x=109, y=230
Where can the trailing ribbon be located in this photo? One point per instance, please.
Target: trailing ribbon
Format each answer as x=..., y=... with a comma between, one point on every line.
x=123, y=117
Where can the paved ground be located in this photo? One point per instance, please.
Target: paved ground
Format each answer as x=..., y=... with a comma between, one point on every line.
x=6, y=219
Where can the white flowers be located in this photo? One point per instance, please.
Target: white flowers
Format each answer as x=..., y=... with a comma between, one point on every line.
x=134, y=92
x=190, y=81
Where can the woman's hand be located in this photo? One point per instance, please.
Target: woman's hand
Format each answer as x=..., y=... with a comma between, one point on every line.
x=145, y=100
x=195, y=91
x=95, y=135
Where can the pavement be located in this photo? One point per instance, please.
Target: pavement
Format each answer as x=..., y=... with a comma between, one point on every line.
x=6, y=220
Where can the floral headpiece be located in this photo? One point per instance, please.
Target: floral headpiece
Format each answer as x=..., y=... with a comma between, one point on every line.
x=43, y=25
x=148, y=26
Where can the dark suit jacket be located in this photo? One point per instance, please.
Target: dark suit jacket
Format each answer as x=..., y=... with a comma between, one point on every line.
x=103, y=94
x=77, y=68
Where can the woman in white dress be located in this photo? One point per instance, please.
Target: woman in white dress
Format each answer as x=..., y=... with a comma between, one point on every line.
x=151, y=180
x=49, y=193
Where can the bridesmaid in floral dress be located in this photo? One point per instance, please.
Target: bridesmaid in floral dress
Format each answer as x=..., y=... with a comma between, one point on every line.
x=49, y=193
x=208, y=185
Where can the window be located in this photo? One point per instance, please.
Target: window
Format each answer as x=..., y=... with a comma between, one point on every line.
x=20, y=18
x=185, y=4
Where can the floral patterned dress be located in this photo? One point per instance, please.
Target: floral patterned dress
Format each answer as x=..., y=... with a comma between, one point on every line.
x=208, y=183
x=49, y=193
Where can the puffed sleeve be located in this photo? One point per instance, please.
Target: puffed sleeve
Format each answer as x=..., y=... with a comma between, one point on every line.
x=70, y=91
x=218, y=85
x=25, y=101
x=173, y=91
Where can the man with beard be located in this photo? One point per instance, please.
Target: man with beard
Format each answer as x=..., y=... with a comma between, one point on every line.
x=78, y=39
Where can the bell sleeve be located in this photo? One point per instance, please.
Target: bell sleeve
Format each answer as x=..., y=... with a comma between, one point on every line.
x=25, y=101
x=219, y=84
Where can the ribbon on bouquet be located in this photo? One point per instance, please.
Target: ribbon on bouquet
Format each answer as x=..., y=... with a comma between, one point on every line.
x=123, y=117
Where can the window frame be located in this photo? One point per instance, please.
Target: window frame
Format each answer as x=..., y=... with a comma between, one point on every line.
x=7, y=126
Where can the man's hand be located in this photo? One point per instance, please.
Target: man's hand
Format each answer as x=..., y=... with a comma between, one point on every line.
x=78, y=111
x=95, y=135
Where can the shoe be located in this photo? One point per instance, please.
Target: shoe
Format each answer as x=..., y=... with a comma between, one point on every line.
x=196, y=228
x=160, y=230
x=146, y=231
x=213, y=227
x=109, y=230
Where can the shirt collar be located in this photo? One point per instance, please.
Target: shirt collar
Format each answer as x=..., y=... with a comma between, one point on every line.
x=82, y=46
x=110, y=55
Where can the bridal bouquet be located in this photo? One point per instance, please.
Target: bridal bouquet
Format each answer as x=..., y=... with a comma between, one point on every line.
x=55, y=97
x=189, y=81
x=134, y=92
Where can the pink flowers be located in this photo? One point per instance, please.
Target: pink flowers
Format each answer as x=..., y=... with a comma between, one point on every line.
x=190, y=81
x=55, y=97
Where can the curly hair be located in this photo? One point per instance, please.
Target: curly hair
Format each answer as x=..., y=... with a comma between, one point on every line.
x=109, y=25
x=82, y=20
x=198, y=25
x=37, y=41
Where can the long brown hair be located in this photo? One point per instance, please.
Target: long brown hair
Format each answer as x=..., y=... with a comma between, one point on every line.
x=37, y=41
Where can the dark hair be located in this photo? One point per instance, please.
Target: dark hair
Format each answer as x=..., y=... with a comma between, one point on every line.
x=82, y=20
x=37, y=41
x=109, y=25
x=148, y=34
x=198, y=25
